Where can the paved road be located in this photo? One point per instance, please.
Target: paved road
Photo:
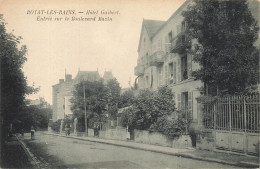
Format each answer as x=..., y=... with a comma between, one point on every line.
x=60, y=152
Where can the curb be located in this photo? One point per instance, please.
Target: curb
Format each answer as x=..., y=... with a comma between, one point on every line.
x=29, y=155
x=239, y=164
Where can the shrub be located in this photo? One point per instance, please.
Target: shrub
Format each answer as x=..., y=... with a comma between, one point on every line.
x=56, y=125
x=128, y=117
x=172, y=125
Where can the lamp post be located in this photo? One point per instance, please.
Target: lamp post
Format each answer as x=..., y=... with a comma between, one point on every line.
x=86, y=122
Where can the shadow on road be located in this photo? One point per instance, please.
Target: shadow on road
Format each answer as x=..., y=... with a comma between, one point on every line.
x=13, y=155
x=39, y=150
x=107, y=164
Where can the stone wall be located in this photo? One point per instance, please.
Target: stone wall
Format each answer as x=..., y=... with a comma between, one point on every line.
x=91, y=132
x=205, y=140
x=113, y=134
x=155, y=138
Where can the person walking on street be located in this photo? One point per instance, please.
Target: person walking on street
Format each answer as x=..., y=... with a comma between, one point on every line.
x=127, y=133
x=32, y=133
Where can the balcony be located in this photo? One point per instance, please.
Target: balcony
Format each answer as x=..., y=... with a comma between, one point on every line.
x=139, y=70
x=157, y=58
x=179, y=44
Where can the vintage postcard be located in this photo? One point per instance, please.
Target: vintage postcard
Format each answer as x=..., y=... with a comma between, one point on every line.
x=129, y=84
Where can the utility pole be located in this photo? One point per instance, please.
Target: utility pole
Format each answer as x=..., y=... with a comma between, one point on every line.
x=86, y=122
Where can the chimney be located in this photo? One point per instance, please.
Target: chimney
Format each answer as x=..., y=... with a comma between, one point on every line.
x=61, y=81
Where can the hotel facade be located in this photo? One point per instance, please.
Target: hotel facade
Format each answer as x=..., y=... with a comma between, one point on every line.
x=162, y=59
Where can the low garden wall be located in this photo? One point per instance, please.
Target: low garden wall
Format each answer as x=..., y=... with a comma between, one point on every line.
x=91, y=132
x=113, y=134
x=206, y=140
x=156, y=138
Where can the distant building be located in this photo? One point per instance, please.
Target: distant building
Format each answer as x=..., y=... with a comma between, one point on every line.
x=39, y=102
x=63, y=91
x=107, y=76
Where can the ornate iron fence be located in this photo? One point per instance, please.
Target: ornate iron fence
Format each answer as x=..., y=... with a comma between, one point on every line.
x=233, y=113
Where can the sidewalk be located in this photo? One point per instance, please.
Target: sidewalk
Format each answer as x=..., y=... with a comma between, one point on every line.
x=219, y=157
x=14, y=155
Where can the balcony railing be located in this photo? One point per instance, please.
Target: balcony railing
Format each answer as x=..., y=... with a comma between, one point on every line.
x=157, y=58
x=139, y=70
x=179, y=44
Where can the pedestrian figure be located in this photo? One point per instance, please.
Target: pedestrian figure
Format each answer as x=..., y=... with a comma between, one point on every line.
x=32, y=133
x=22, y=132
x=127, y=134
x=66, y=129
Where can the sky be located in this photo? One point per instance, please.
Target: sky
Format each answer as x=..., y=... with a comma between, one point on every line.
x=58, y=45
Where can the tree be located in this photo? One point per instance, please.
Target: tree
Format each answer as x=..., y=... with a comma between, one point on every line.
x=225, y=32
x=14, y=86
x=128, y=117
x=113, y=95
x=149, y=106
x=35, y=116
x=126, y=99
x=96, y=100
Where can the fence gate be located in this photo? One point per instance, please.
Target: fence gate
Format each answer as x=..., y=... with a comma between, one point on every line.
x=235, y=123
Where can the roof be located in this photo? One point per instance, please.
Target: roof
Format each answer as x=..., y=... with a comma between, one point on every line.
x=87, y=75
x=154, y=26
x=151, y=26
x=180, y=9
x=108, y=75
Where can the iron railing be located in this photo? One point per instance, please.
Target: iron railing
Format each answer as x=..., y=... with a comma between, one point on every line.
x=233, y=113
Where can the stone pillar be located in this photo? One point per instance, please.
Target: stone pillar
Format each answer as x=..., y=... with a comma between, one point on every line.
x=200, y=113
x=75, y=125
x=61, y=124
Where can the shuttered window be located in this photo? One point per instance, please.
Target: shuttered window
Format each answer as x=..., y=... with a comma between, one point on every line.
x=166, y=74
x=174, y=72
x=179, y=69
x=189, y=65
x=179, y=101
x=190, y=104
x=166, y=44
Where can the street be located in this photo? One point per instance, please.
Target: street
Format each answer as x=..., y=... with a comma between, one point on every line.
x=59, y=152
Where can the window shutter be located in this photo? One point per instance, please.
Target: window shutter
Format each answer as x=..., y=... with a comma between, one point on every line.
x=179, y=70
x=189, y=65
x=190, y=104
x=166, y=44
x=174, y=72
x=166, y=74
x=179, y=101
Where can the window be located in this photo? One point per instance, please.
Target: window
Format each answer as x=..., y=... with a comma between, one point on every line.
x=174, y=72
x=159, y=76
x=147, y=81
x=171, y=73
x=184, y=100
x=170, y=36
x=184, y=71
x=183, y=26
x=159, y=44
x=166, y=74
x=178, y=29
